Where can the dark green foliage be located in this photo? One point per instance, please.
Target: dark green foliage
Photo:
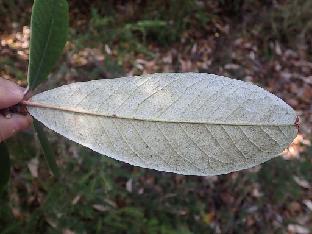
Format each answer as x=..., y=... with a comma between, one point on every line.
x=167, y=204
x=49, y=26
x=278, y=177
x=161, y=21
x=292, y=22
x=47, y=149
x=5, y=166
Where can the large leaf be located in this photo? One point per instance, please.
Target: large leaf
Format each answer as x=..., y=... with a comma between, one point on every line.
x=47, y=149
x=189, y=123
x=49, y=26
x=5, y=165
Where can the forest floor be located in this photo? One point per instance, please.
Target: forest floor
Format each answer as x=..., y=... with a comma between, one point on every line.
x=266, y=44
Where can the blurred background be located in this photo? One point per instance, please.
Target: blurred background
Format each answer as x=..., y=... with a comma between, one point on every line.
x=265, y=42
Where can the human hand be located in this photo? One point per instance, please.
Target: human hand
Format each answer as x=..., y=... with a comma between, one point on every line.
x=10, y=95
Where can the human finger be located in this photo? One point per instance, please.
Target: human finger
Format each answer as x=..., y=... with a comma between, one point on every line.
x=10, y=93
x=12, y=125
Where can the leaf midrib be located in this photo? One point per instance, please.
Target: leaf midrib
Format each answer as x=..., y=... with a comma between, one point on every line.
x=79, y=111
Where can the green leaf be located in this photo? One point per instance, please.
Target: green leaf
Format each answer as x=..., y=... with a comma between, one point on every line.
x=49, y=29
x=5, y=165
x=46, y=147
